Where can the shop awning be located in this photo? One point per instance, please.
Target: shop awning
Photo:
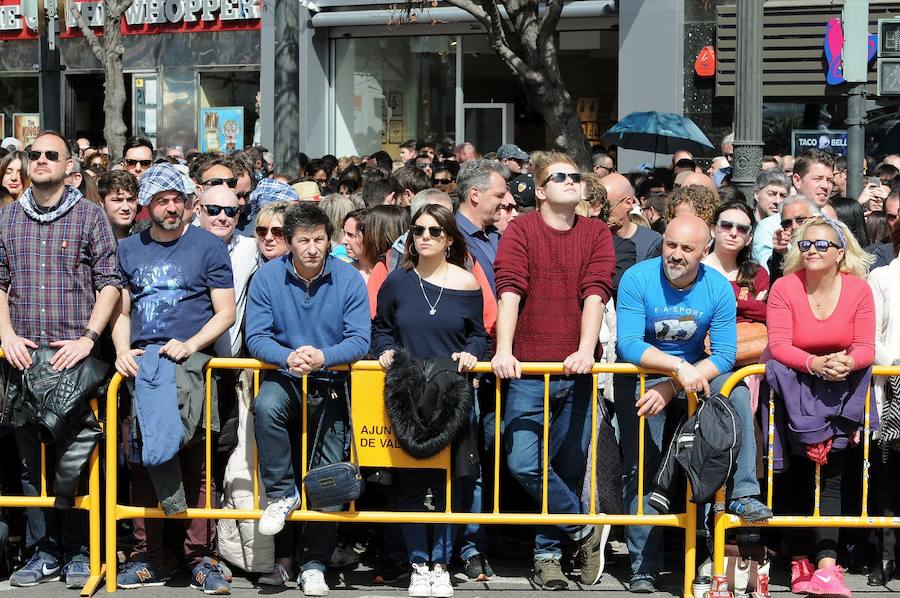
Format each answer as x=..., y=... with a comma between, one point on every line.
x=344, y=13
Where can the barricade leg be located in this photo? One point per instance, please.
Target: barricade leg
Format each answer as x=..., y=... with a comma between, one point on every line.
x=96, y=563
x=112, y=475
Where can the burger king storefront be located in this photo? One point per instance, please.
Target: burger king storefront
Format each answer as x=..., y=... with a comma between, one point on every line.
x=183, y=60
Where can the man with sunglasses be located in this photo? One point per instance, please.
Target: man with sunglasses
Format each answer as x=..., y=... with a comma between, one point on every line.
x=137, y=155
x=884, y=252
x=59, y=284
x=620, y=195
x=794, y=211
x=514, y=158
x=217, y=211
x=178, y=302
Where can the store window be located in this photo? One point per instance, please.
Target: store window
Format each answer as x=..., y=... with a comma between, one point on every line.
x=18, y=99
x=388, y=90
x=229, y=112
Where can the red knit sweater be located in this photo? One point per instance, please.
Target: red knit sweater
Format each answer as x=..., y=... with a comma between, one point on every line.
x=553, y=272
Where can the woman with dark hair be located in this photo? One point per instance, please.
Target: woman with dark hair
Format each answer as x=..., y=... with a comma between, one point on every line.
x=878, y=228
x=430, y=306
x=851, y=213
x=732, y=257
x=14, y=173
x=383, y=226
x=350, y=180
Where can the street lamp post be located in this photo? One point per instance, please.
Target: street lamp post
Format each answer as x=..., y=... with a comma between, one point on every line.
x=748, y=145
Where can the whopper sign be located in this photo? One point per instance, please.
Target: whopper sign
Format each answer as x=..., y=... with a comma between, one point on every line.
x=143, y=17
x=834, y=142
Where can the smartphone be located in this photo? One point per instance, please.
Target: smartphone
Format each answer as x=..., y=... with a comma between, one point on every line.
x=874, y=181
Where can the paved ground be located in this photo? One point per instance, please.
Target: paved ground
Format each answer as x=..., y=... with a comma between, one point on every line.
x=511, y=581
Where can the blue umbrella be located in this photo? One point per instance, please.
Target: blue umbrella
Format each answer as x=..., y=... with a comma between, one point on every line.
x=658, y=132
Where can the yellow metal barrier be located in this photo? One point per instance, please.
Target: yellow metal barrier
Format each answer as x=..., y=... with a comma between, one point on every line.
x=367, y=380
x=89, y=502
x=724, y=521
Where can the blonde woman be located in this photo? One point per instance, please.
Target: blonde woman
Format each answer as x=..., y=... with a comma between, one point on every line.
x=821, y=324
x=269, y=230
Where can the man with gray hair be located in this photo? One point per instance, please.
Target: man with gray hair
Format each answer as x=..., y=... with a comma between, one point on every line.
x=481, y=185
x=772, y=186
x=794, y=211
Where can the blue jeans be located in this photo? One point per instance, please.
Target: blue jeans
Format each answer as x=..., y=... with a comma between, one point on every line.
x=411, y=487
x=60, y=533
x=644, y=541
x=470, y=490
x=523, y=421
x=276, y=409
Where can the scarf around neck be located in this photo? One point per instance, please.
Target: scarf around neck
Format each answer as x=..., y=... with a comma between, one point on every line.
x=71, y=196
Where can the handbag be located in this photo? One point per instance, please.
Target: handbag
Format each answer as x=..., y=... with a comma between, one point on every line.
x=752, y=339
x=334, y=484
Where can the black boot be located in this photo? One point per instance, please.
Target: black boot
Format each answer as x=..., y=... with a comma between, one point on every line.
x=882, y=573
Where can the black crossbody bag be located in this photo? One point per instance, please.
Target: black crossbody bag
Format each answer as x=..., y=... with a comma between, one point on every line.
x=334, y=484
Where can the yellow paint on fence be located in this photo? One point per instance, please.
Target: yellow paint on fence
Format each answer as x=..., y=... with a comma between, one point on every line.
x=373, y=433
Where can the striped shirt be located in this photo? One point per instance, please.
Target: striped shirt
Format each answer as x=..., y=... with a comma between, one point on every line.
x=52, y=271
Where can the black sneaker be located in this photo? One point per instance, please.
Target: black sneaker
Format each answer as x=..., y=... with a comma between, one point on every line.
x=548, y=575
x=389, y=570
x=642, y=583
x=592, y=555
x=478, y=568
x=749, y=509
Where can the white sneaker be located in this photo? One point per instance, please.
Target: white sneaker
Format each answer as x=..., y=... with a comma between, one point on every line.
x=343, y=556
x=312, y=582
x=272, y=520
x=420, y=581
x=440, y=582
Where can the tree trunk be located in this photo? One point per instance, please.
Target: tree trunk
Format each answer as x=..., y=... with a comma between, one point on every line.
x=553, y=101
x=114, y=128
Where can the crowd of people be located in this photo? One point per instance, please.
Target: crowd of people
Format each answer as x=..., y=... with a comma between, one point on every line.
x=153, y=264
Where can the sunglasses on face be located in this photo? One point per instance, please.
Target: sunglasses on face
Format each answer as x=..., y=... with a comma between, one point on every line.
x=821, y=245
x=726, y=226
x=560, y=177
x=434, y=231
x=787, y=222
x=442, y=181
x=891, y=217
x=35, y=155
x=232, y=182
x=133, y=163
x=277, y=231
x=214, y=210
x=509, y=207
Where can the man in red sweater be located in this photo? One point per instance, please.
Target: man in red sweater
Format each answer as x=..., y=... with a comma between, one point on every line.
x=554, y=276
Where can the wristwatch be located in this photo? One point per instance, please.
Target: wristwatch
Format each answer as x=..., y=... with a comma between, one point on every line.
x=680, y=363
x=88, y=333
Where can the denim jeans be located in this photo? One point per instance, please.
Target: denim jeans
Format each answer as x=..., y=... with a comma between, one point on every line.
x=411, y=486
x=276, y=408
x=470, y=499
x=59, y=533
x=645, y=542
x=523, y=420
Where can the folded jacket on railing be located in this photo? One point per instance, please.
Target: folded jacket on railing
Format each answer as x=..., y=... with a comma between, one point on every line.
x=156, y=407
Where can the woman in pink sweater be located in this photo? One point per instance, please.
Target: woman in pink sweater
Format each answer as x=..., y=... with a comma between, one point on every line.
x=821, y=322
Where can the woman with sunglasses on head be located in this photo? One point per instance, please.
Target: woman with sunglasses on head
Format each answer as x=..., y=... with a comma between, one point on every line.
x=14, y=173
x=430, y=306
x=821, y=326
x=269, y=230
x=731, y=256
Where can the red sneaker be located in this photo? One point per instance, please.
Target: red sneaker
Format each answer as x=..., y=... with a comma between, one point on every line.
x=801, y=573
x=829, y=582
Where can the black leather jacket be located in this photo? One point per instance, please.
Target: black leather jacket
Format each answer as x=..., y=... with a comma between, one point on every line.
x=56, y=405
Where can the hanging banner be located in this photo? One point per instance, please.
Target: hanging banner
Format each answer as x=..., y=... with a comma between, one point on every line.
x=221, y=129
x=834, y=142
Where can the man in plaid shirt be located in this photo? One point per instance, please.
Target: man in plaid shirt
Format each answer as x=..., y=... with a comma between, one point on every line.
x=59, y=283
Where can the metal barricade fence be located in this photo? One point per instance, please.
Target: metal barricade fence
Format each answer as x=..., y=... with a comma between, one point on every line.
x=368, y=377
x=724, y=521
x=89, y=502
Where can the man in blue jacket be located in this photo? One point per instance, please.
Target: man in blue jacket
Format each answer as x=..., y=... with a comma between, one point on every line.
x=305, y=312
x=665, y=308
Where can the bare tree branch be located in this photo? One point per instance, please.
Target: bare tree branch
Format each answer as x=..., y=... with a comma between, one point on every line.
x=548, y=23
x=522, y=27
x=474, y=10
x=117, y=8
x=94, y=43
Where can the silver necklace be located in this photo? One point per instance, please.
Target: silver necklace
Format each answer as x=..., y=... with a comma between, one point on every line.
x=433, y=309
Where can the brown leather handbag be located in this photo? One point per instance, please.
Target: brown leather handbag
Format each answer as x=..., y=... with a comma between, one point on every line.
x=752, y=338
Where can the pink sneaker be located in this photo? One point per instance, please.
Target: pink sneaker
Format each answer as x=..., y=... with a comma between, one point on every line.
x=829, y=582
x=801, y=573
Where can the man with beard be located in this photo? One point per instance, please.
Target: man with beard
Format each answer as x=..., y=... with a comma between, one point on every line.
x=665, y=308
x=59, y=284
x=180, y=285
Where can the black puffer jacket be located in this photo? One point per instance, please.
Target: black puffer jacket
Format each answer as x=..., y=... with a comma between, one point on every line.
x=430, y=407
x=56, y=404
